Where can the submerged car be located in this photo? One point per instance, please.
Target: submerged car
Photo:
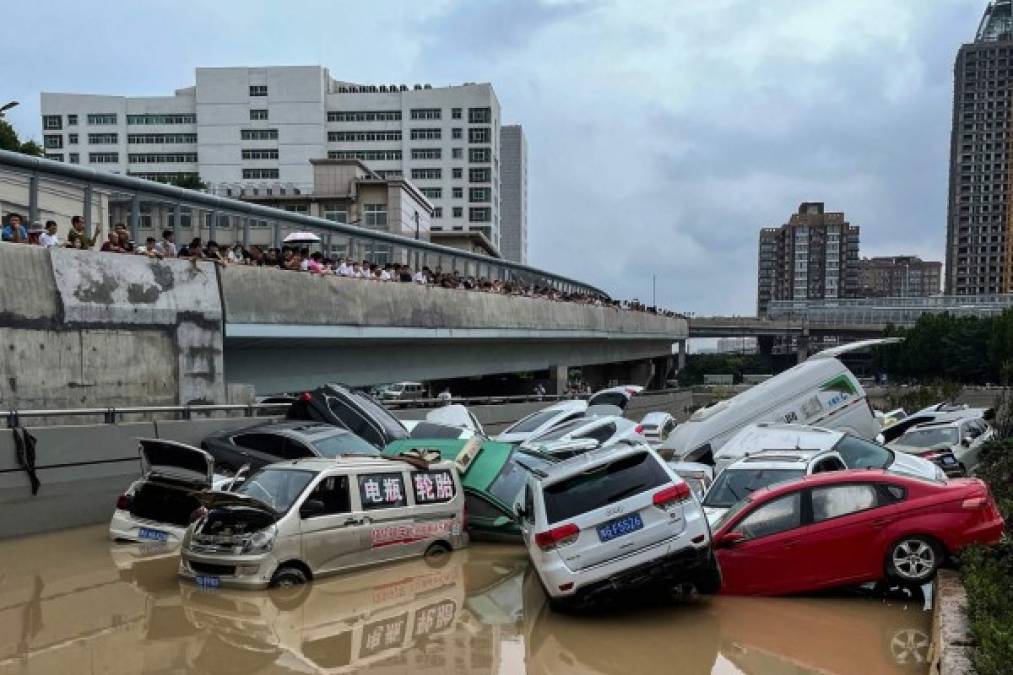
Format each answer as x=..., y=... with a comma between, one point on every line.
x=656, y=426
x=492, y=478
x=293, y=521
x=942, y=412
x=764, y=469
x=850, y=527
x=604, y=430
x=541, y=421
x=856, y=452
x=264, y=444
x=449, y=421
x=613, y=520
x=158, y=506
x=354, y=410
x=954, y=445
x=618, y=396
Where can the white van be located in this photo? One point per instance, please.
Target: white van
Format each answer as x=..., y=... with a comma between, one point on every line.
x=820, y=391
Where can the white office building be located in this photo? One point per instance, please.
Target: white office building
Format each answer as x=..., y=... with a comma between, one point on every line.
x=253, y=131
x=514, y=198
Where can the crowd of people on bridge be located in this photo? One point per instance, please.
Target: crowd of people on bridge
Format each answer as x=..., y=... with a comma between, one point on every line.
x=294, y=258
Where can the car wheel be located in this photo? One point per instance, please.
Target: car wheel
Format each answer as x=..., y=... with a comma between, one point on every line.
x=909, y=648
x=708, y=581
x=913, y=560
x=437, y=555
x=288, y=588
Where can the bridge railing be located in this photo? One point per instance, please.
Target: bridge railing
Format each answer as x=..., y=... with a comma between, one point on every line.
x=24, y=180
x=882, y=311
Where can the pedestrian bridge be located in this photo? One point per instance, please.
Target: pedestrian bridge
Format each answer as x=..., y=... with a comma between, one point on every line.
x=83, y=328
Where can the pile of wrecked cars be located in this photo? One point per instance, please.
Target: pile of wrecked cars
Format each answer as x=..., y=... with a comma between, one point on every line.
x=782, y=489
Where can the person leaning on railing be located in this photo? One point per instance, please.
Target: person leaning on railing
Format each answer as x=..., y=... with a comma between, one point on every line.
x=14, y=232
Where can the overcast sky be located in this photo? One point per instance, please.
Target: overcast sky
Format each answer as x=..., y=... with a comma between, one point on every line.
x=662, y=135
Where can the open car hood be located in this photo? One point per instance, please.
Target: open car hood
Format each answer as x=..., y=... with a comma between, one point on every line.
x=454, y=415
x=855, y=347
x=215, y=500
x=176, y=460
x=356, y=411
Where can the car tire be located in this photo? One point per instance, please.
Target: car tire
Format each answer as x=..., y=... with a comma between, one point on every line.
x=708, y=581
x=437, y=555
x=913, y=560
x=288, y=587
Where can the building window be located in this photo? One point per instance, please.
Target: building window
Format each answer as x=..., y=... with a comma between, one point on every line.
x=458, y=212
x=362, y=136
x=335, y=214
x=261, y=153
x=102, y=118
x=161, y=138
x=176, y=118
x=55, y=156
x=168, y=177
x=480, y=175
x=72, y=120
x=438, y=212
x=479, y=155
x=426, y=134
x=260, y=173
x=258, y=134
x=458, y=193
x=258, y=114
x=427, y=153
x=457, y=133
x=481, y=214
x=427, y=174
x=374, y=216
x=479, y=135
x=258, y=90
x=364, y=116
x=75, y=158
x=52, y=141
x=479, y=115
x=161, y=157
x=103, y=157
x=433, y=193
x=457, y=153
x=103, y=139
x=425, y=113
x=479, y=195
x=458, y=172
x=72, y=139
x=455, y=113
x=52, y=122
x=366, y=155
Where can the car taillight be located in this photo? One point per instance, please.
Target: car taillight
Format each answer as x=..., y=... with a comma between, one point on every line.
x=974, y=503
x=306, y=396
x=123, y=502
x=673, y=493
x=557, y=536
x=639, y=429
x=198, y=513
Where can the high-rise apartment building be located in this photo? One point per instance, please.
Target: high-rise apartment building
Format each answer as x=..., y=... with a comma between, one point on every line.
x=899, y=276
x=253, y=131
x=979, y=229
x=513, y=148
x=812, y=256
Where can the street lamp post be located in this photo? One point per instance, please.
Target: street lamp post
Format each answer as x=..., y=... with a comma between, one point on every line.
x=7, y=106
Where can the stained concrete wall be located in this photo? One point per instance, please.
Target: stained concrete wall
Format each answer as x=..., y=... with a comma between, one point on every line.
x=87, y=329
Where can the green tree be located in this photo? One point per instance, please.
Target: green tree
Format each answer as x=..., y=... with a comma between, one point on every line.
x=9, y=141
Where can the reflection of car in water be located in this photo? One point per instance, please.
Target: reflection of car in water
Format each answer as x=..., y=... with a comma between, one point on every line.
x=343, y=624
x=765, y=636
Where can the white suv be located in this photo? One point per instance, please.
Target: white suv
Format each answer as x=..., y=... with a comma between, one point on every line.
x=612, y=520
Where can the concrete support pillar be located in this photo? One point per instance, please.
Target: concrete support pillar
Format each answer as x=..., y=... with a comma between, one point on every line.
x=135, y=217
x=33, y=200
x=639, y=372
x=803, y=346
x=765, y=344
x=558, y=379
x=682, y=355
x=89, y=227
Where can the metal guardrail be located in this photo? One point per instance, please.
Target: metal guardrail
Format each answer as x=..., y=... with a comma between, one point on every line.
x=881, y=311
x=145, y=194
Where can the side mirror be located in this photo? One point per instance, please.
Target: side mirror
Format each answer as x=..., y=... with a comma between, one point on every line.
x=966, y=442
x=311, y=508
x=729, y=539
x=519, y=512
x=881, y=439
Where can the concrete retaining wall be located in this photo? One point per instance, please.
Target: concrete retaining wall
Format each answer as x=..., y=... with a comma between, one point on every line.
x=953, y=643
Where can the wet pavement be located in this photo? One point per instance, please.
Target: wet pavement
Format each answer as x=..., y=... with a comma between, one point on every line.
x=71, y=603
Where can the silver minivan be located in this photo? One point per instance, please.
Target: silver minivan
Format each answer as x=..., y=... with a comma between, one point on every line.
x=293, y=521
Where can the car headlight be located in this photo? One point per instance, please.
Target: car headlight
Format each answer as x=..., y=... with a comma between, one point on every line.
x=260, y=541
x=940, y=475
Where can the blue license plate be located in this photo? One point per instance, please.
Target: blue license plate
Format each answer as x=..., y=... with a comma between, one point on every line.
x=949, y=460
x=154, y=535
x=620, y=526
x=207, y=581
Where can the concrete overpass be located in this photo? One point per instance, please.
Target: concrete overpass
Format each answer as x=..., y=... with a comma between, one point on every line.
x=751, y=326
x=83, y=328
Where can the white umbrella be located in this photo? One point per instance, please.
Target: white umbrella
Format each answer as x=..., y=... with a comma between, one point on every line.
x=302, y=238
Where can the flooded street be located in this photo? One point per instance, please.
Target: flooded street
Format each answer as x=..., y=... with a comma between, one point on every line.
x=71, y=603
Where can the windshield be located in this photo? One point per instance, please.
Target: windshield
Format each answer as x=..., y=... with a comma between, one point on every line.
x=731, y=485
x=927, y=438
x=343, y=444
x=508, y=484
x=603, y=485
x=858, y=453
x=431, y=430
x=729, y=514
x=555, y=433
x=532, y=422
x=278, y=488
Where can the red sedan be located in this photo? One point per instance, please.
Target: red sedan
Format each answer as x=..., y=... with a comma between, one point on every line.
x=850, y=527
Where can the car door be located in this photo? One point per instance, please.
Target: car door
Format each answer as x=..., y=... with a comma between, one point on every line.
x=766, y=560
x=260, y=448
x=977, y=431
x=840, y=542
x=386, y=512
x=337, y=537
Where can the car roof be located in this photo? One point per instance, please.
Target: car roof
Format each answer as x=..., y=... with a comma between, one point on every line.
x=833, y=478
x=788, y=436
x=587, y=460
x=776, y=459
x=305, y=429
x=940, y=424
x=656, y=415
x=319, y=464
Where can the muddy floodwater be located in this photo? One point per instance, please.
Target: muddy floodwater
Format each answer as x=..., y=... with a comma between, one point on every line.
x=71, y=603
